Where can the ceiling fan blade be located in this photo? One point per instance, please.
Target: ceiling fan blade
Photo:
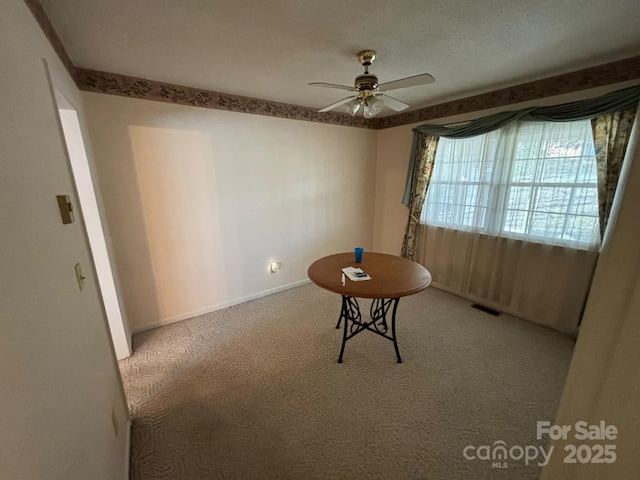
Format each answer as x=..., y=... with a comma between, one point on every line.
x=393, y=103
x=336, y=104
x=332, y=85
x=422, y=79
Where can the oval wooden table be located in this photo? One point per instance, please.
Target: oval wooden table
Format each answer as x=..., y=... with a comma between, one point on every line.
x=392, y=277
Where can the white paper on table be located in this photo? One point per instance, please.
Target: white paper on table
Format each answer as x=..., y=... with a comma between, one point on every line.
x=352, y=272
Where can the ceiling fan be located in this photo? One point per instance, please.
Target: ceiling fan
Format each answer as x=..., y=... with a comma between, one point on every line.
x=370, y=95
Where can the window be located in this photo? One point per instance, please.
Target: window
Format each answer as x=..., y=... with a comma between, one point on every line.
x=532, y=180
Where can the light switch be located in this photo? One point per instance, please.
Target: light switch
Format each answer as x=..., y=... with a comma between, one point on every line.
x=81, y=278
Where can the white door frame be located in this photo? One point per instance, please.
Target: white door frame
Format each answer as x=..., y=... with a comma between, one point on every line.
x=87, y=193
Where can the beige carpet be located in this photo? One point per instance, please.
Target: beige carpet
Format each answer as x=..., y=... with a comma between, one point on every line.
x=254, y=392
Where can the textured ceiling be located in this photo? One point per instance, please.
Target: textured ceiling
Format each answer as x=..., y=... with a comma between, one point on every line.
x=271, y=50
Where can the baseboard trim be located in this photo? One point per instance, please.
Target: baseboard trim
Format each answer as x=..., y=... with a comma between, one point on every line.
x=186, y=316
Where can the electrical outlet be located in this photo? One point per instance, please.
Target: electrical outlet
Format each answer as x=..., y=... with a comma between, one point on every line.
x=274, y=267
x=114, y=422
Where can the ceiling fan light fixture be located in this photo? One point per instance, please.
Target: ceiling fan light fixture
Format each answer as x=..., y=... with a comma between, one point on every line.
x=372, y=107
x=353, y=106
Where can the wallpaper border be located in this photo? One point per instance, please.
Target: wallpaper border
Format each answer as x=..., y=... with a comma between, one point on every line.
x=123, y=85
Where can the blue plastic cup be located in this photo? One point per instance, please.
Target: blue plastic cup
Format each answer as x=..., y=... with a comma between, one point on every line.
x=358, y=252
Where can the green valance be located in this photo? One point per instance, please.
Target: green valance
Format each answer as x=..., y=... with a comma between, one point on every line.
x=566, y=112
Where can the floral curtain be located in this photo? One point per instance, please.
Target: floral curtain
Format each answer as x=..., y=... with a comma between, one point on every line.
x=425, y=153
x=611, y=133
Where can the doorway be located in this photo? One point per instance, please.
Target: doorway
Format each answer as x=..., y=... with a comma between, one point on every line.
x=85, y=188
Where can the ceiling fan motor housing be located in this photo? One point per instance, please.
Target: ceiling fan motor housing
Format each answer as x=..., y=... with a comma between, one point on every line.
x=366, y=81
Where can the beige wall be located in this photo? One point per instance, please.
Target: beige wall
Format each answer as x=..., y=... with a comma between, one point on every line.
x=394, y=148
x=58, y=376
x=199, y=201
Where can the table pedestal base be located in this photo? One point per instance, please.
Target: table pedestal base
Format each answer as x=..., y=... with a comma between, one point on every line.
x=353, y=323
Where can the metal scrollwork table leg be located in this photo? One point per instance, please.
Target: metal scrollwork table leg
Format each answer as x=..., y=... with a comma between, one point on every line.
x=353, y=323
